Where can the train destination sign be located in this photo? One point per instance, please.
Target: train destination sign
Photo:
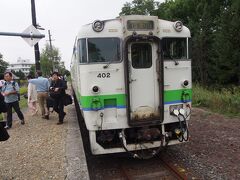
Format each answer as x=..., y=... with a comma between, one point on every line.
x=139, y=25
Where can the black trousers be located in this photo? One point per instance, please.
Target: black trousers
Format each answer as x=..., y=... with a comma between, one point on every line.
x=59, y=108
x=15, y=106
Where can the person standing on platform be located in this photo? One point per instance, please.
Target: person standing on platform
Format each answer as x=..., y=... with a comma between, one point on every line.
x=2, y=82
x=57, y=92
x=10, y=91
x=42, y=85
x=32, y=97
x=3, y=106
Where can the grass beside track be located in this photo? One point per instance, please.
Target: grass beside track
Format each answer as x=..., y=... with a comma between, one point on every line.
x=224, y=101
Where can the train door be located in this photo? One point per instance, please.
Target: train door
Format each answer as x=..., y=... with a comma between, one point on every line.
x=143, y=83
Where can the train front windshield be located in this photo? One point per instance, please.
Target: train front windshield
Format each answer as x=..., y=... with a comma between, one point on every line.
x=174, y=48
x=103, y=50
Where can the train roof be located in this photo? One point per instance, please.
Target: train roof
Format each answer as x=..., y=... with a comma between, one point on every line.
x=116, y=28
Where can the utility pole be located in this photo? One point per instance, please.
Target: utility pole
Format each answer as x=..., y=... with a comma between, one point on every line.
x=36, y=47
x=51, y=49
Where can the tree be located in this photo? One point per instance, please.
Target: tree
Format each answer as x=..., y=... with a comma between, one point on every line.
x=67, y=72
x=3, y=64
x=19, y=74
x=139, y=7
x=32, y=70
x=227, y=44
x=50, y=60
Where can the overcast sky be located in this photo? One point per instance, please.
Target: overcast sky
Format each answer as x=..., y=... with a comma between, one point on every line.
x=62, y=17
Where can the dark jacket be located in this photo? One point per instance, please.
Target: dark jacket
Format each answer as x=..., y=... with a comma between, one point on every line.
x=58, y=84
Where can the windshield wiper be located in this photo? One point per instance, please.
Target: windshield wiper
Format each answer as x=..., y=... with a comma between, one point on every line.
x=175, y=61
x=107, y=65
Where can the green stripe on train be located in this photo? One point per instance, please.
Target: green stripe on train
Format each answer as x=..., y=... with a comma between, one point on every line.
x=120, y=99
x=176, y=95
x=105, y=100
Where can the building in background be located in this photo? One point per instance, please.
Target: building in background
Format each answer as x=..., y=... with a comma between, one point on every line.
x=22, y=64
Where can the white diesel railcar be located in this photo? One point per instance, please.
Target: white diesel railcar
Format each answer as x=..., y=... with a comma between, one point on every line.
x=132, y=79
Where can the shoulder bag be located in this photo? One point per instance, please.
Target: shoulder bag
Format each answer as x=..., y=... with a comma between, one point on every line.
x=67, y=99
x=3, y=132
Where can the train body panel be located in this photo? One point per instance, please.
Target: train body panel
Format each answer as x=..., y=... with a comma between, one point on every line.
x=132, y=79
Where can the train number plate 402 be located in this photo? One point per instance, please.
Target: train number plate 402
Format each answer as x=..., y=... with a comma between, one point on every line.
x=104, y=75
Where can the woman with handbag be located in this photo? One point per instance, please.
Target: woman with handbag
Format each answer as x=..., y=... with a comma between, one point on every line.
x=57, y=92
x=3, y=105
x=3, y=109
x=32, y=97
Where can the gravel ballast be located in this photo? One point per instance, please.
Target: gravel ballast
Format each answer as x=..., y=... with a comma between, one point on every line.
x=214, y=148
x=35, y=150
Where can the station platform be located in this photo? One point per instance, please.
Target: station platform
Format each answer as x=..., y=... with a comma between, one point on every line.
x=41, y=149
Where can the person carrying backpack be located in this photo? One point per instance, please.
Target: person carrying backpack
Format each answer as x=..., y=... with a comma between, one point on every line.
x=10, y=91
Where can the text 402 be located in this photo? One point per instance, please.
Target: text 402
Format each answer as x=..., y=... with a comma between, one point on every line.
x=104, y=75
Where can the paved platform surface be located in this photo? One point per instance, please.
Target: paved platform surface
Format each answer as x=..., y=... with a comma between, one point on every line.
x=40, y=149
x=75, y=155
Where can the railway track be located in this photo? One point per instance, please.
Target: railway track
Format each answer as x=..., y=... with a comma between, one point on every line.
x=177, y=171
x=165, y=170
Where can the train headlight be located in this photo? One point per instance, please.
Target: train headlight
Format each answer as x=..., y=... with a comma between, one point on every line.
x=175, y=112
x=98, y=26
x=178, y=26
x=95, y=89
x=185, y=83
x=182, y=111
x=174, y=108
x=134, y=33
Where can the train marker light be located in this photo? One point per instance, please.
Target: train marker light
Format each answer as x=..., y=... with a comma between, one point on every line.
x=185, y=83
x=95, y=89
x=178, y=26
x=98, y=26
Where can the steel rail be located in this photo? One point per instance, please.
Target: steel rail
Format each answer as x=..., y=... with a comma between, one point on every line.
x=125, y=173
x=173, y=169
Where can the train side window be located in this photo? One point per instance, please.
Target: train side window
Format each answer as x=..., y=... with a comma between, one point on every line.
x=174, y=48
x=141, y=54
x=82, y=51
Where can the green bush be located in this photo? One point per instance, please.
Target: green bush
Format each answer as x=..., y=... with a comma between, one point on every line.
x=23, y=90
x=23, y=103
x=225, y=101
